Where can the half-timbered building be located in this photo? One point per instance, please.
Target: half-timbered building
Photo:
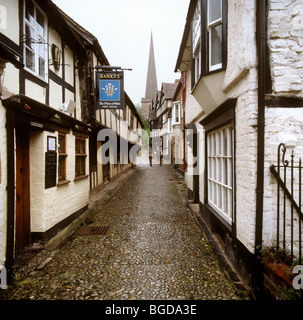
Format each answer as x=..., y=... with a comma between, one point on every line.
x=49, y=124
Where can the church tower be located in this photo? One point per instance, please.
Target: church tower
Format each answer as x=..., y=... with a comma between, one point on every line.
x=151, y=83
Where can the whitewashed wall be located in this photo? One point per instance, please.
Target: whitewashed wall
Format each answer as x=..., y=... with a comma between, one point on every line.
x=286, y=46
x=50, y=206
x=283, y=125
x=241, y=82
x=10, y=85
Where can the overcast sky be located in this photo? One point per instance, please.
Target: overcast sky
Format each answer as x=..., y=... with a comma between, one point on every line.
x=123, y=29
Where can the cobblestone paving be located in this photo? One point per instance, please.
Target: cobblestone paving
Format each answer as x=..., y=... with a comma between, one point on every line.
x=154, y=250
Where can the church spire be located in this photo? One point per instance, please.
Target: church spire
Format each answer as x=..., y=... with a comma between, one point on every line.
x=151, y=81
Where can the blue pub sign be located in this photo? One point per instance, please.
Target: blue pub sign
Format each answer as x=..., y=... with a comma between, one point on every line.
x=110, y=89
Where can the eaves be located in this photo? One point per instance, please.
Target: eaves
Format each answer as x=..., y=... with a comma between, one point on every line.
x=186, y=33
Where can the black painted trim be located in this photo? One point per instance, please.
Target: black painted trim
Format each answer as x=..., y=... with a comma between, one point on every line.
x=10, y=232
x=17, y=50
x=283, y=102
x=221, y=115
x=52, y=75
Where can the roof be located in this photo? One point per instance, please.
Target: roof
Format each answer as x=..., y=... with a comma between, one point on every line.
x=186, y=41
x=41, y=111
x=169, y=89
x=55, y=18
x=84, y=35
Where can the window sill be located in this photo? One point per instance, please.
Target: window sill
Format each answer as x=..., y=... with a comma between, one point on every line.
x=63, y=182
x=38, y=77
x=81, y=177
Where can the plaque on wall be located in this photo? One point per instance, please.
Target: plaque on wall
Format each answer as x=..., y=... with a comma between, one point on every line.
x=51, y=143
x=50, y=169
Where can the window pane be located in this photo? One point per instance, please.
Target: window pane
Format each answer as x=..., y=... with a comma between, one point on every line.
x=81, y=166
x=225, y=143
x=61, y=144
x=30, y=12
x=41, y=67
x=41, y=47
x=216, y=45
x=82, y=147
x=60, y=169
x=30, y=59
x=225, y=169
x=215, y=10
x=177, y=113
x=196, y=30
x=30, y=36
x=40, y=22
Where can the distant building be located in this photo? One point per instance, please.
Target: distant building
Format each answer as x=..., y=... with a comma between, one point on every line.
x=159, y=119
x=151, y=84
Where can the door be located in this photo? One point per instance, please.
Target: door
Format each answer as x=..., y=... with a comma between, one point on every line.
x=22, y=189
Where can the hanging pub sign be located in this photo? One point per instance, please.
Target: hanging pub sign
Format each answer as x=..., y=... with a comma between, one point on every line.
x=110, y=89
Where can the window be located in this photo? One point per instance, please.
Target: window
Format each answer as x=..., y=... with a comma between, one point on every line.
x=197, y=63
x=196, y=41
x=215, y=34
x=176, y=113
x=220, y=171
x=80, y=157
x=196, y=28
x=62, y=157
x=169, y=125
x=209, y=37
x=35, y=37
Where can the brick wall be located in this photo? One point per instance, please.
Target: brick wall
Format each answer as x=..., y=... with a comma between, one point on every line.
x=282, y=125
x=285, y=35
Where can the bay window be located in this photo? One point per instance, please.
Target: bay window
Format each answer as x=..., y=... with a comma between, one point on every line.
x=209, y=38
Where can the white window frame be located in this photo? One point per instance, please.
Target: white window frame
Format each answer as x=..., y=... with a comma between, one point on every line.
x=196, y=36
x=196, y=28
x=169, y=125
x=220, y=177
x=37, y=42
x=198, y=59
x=211, y=25
x=174, y=115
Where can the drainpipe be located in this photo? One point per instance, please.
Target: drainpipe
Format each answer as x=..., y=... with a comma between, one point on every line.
x=257, y=276
x=9, y=263
x=261, y=50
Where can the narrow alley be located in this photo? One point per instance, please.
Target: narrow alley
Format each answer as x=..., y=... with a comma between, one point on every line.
x=153, y=249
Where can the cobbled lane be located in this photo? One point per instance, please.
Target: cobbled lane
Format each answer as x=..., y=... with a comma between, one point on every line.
x=154, y=250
